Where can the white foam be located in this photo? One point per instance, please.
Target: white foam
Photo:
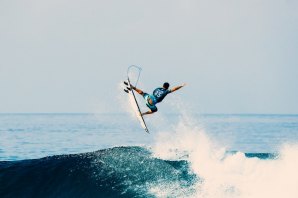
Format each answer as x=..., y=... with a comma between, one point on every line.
x=229, y=175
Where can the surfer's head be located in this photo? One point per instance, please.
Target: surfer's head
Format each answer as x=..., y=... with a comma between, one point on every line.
x=166, y=85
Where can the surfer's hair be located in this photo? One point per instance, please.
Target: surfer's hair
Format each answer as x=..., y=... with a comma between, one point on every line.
x=166, y=85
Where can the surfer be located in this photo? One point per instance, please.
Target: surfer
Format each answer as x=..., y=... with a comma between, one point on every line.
x=158, y=95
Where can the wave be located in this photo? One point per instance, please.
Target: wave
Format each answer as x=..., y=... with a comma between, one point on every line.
x=114, y=172
x=224, y=174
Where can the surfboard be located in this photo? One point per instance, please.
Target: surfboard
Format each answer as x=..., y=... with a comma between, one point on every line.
x=134, y=105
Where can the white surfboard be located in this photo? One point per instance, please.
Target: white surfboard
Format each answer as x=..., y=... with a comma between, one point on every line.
x=135, y=106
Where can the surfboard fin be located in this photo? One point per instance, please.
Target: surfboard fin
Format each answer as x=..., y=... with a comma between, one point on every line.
x=126, y=90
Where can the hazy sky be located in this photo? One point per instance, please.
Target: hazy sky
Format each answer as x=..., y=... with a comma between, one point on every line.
x=237, y=56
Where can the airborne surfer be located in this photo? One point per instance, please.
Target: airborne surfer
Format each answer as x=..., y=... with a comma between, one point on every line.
x=158, y=95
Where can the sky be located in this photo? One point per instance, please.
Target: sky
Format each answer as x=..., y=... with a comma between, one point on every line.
x=236, y=56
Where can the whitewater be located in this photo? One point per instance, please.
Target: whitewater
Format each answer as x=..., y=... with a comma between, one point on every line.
x=108, y=155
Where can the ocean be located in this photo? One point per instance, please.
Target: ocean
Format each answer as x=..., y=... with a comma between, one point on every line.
x=110, y=155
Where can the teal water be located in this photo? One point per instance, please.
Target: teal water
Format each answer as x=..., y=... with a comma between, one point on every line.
x=29, y=136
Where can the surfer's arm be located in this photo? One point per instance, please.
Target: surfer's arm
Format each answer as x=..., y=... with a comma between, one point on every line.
x=178, y=87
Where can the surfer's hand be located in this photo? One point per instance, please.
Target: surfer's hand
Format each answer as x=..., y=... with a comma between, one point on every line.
x=184, y=84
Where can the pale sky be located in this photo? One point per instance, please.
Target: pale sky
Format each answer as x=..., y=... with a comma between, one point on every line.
x=236, y=56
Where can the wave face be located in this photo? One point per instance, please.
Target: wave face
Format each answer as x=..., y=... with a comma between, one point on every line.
x=115, y=172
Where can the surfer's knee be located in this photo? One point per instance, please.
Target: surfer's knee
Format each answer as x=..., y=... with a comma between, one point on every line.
x=154, y=110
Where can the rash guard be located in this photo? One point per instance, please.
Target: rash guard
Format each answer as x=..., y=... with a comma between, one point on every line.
x=160, y=93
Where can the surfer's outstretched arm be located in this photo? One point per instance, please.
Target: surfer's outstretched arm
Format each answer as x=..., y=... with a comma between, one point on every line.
x=178, y=87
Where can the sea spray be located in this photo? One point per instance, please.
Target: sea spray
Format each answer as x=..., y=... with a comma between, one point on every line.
x=228, y=174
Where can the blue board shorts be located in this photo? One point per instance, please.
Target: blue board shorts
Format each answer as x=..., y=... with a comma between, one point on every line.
x=152, y=107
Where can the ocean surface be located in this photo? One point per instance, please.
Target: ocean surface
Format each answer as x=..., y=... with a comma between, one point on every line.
x=110, y=155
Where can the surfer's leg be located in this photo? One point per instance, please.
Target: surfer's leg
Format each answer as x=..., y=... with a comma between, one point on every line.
x=138, y=90
x=133, y=87
x=153, y=109
x=149, y=103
